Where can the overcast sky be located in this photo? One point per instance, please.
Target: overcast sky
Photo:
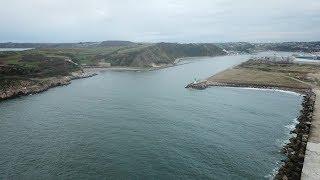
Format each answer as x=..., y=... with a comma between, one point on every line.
x=159, y=20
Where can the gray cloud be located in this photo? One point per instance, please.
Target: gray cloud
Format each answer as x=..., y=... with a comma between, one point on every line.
x=159, y=20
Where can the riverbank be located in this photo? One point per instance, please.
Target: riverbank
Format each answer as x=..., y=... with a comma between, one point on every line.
x=177, y=62
x=289, y=76
x=22, y=87
x=97, y=69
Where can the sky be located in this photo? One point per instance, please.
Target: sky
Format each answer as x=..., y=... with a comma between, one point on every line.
x=182, y=21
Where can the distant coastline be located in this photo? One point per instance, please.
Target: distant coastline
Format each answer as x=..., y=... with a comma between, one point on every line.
x=14, y=49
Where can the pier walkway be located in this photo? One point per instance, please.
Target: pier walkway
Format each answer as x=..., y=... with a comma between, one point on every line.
x=311, y=165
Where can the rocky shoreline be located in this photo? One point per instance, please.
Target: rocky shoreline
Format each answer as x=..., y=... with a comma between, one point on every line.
x=34, y=86
x=295, y=149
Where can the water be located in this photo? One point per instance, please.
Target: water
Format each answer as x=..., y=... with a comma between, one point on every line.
x=146, y=125
x=15, y=49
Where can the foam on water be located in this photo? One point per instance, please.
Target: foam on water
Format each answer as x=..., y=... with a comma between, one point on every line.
x=282, y=142
x=272, y=90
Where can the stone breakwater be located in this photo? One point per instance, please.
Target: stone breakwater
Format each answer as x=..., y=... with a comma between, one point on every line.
x=26, y=87
x=296, y=148
x=198, y=85
x=205, y=84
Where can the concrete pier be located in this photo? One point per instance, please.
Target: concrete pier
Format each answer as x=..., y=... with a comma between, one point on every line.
x=311, y=165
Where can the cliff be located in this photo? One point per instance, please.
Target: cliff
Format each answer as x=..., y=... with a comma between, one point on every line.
x=160, y=54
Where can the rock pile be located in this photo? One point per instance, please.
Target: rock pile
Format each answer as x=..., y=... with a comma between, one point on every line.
x=295, y=149
x=197, y=85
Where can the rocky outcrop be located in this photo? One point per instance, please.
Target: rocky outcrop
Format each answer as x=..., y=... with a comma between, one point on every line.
x=26, y=87
x=295, y=149
x=32, y=86
x=198, y=85
x=81, y=75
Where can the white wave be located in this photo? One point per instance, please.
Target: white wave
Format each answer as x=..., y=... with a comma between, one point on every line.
x=292, y=125
x=281, y=143
x=289, y=127
x=274, y=170
x=273, y=90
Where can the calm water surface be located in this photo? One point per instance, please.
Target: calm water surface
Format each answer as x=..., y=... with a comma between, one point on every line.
x=146, y=125
x=15, y=49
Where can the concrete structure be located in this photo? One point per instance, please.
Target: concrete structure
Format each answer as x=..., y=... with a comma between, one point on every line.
x=311, y=165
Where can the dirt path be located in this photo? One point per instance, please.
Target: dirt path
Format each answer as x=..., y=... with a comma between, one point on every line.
x=303, y=82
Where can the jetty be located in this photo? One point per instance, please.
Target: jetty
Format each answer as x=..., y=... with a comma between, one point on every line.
x=311, y=165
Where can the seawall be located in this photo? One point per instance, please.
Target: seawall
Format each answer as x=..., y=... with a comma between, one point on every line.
x=311, y=165
x=296, y=148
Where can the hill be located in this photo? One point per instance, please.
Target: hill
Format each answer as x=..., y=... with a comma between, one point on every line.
x=159, y=54
x=67, y=45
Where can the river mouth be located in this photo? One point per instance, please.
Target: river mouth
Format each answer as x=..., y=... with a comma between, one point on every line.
x=146, y=125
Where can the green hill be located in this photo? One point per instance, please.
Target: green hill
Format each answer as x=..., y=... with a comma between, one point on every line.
x=159, y=54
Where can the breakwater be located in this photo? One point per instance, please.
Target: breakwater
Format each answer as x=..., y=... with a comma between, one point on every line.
x=205, y=84
x=296, y=148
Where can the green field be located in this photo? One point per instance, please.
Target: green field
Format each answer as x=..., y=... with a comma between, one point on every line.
x=270, y=74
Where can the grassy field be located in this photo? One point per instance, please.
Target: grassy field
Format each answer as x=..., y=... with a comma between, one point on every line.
x=270, y=74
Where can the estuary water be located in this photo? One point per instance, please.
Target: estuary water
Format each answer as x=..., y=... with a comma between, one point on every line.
x=14, y=49
x=146, y=125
